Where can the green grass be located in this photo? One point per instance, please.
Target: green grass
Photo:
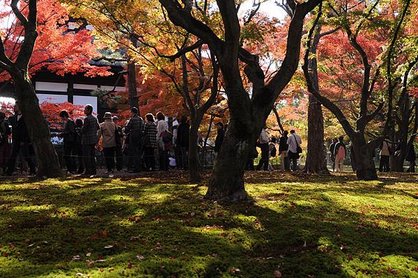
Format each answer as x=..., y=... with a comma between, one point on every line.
x=162, y=227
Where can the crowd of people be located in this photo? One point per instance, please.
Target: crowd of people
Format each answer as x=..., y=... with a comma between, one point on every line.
x=139, y=145
x=153, y=144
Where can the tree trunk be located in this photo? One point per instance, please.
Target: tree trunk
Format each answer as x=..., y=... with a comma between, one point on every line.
x=316, y=161
x=48, y=163
x=194, y=163
x=227, y=180
x=132, y=91
x=363, y=158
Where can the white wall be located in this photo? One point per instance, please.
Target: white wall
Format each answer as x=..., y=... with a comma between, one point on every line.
x=83, y=100
x=52, y=98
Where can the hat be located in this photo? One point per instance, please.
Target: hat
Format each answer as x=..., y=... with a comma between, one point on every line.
x=115, y=118
x=107, y=115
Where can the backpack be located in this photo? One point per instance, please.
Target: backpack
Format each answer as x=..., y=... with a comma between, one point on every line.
x=166, y=136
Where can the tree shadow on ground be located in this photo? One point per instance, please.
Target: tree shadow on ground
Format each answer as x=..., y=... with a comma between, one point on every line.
x=169, y=230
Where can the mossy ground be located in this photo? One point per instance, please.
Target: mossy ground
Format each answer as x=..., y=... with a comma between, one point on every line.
x=160, y=226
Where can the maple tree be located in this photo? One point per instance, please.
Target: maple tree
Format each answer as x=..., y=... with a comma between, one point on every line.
x=400, y=70
x=39, y=38
x=248, y=113
x=159, y=47
x=356, y=44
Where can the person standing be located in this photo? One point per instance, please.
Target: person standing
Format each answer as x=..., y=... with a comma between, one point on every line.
x=219, y=137
x=283, y=147
x=21, y=142
x=294, y=149
x=162, y=138
x=340, y=154
x=69, y=137
x=107, y=131
x=411, y=157
x=150, y=142
x=135, y=131
x=119, y=140
x=384, y=156
x=78, y=149
x=4, y=141
x=263, y=144
x=183, y=143
x=89, y=140
x=332, y=152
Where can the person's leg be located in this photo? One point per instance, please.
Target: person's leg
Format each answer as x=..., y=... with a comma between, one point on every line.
x=282, y=163
x=137, y=159
x=387, y=165
x=87, y=160
x=107, y=156
x=265, y=156
x=28, y=154
x=119, y=158
x=381, y=163
x=68, y=148
x=286, y=162
x=112, y=158
x=12, y=160
x=79, y=153
x=92, y=152
x=185, y=157
x=165, y=160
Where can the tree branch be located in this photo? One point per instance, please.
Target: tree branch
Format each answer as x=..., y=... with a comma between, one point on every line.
x=313, y=40
x=23, y=20
x=26, y=50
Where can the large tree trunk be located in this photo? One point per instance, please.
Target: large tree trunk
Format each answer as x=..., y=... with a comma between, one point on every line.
x=48, y=163
x=316, y=161
x=194, y=163
x=132, y=91
x=363, y=158
x=227, y=180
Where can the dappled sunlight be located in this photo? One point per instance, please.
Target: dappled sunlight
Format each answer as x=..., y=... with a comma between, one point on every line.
x=31, y=208
x=64, y=213
x=120, y=198
x=105, y=227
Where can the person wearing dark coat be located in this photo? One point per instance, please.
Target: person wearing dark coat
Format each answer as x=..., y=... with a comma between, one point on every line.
x=69, y=137
x=5, y=131
x=283, y=147
x=78, y=148
x=411, y=157
x=134, y=130
x=219, y=137
x=150, y=142
x=119, y=139
x=21, y=143
x=89, y=140
x=183, y=142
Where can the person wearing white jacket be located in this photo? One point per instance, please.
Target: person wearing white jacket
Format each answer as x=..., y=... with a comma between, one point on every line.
x=294, y=149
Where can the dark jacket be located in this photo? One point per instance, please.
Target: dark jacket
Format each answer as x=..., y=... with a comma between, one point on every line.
x=89, y=130
x=219, y=139
x=410, y=154
x=68, y=133
x=19, y=130
x=150, y=140
x=135, y=129
x=183, y=135
x=283, y=146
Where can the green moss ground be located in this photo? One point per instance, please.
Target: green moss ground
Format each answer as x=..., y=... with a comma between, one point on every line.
x=162, y=227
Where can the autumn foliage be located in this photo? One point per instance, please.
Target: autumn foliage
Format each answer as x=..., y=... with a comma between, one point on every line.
x=58, y=49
